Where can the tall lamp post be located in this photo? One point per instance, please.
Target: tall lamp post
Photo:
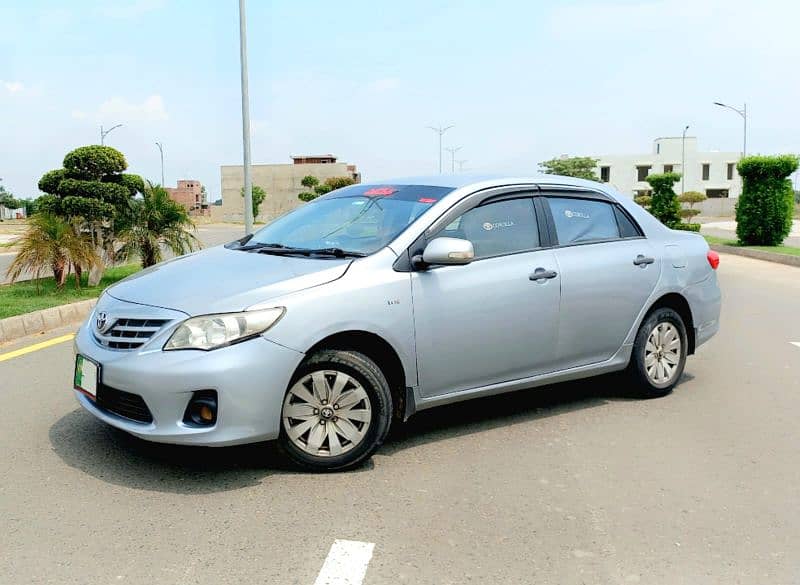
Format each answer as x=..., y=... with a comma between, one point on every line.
x=683, y=160
x=248, y=181
x=453, y=150
x=104, y=133
x=440, y=130
x=743, y=114
x=161, y=150
x=461, y=164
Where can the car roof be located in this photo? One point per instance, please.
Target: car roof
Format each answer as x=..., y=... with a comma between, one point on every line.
x=488, y=180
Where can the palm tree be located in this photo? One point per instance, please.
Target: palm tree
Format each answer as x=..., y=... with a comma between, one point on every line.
x=54, y=243
x=153, y=223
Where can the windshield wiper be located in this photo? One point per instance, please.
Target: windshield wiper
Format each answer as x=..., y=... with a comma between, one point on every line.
x=281, y=250
x=261, y=245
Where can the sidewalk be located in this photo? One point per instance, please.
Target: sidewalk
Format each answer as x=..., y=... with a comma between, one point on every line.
x=727, y=229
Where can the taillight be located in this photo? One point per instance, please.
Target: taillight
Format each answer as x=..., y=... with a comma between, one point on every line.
x=713, y=259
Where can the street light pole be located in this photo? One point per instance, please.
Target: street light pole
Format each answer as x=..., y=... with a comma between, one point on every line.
x=161, y=150
x=104, y=133
x=248, y=181
x=453, y=150
x=683, y=160
x=440, y=130
x=743, y=114
x=461, y=165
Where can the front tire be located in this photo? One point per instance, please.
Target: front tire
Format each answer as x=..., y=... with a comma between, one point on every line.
x=336, y=412
x=659, y=353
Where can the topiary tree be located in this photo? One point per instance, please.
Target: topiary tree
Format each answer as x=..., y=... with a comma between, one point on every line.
x=664, y=204
x=581, y=167
x=258, y=198
x=89, y=192
x=330, y=184
x=764, y=210
x=690, y=198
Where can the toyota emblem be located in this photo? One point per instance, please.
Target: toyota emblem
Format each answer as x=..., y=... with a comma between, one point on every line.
x=101, y=320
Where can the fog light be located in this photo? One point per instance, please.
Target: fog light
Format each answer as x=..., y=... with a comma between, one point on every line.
x=202, y=409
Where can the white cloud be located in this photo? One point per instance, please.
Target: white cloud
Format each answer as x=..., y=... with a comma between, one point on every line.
x=132, y=9
x=79, y=114
x=13, y=86
x=385, y=84
x=117, y=109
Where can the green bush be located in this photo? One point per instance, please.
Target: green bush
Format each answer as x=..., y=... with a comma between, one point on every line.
x=665, y=205
x=688, y=227
x=764, y=210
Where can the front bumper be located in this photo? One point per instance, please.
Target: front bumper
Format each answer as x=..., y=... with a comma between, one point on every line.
x=250, y=379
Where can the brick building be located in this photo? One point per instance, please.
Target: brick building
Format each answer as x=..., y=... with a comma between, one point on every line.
x=189, y=193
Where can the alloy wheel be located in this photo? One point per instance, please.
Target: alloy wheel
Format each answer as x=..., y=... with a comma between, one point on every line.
x=326, y=413
x=662, y=353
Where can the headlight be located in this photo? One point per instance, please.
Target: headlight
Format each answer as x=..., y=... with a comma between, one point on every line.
x=213, y=331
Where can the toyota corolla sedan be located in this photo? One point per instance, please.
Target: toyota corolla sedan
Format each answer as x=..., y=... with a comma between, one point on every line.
x=373, y=302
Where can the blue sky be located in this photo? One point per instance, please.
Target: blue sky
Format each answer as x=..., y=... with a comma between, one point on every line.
x=521, y=81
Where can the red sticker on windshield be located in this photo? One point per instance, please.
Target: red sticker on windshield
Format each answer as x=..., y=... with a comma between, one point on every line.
x=382, y=191
x=427, y=200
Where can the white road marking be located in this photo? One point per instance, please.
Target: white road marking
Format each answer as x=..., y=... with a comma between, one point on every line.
x=795, y=343
x=346, y=563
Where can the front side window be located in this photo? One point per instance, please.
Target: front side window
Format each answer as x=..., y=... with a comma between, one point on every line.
x=497, y=228
x=360, y=218
x=583, y=220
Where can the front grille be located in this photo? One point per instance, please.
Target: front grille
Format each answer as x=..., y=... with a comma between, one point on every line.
x=124, y=404
x=130, y=333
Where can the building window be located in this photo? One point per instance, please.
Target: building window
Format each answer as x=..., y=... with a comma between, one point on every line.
x=730, y=171
x=658, y=148
x=668, y=168
x=642, y=172
x=605, y=174
x=716, y=193
x=706, y=171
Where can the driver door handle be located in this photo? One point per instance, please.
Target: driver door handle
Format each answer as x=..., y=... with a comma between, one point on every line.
x=643, y=260
x=541, y=273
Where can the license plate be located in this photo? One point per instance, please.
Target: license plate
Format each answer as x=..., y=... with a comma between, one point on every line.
x=87, y=373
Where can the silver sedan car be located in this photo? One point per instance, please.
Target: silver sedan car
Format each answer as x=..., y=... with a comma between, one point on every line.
x=376, y=301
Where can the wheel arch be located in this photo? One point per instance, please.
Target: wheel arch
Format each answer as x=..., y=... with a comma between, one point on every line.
x=384, y=355
x=678, y=303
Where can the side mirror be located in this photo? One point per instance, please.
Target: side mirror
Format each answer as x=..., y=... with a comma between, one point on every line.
x=448, y=251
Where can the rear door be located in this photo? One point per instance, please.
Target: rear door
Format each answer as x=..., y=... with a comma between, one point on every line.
x=608, y=271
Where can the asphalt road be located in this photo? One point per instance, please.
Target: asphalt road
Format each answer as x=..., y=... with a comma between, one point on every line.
x=567, y=485
x=209, y=235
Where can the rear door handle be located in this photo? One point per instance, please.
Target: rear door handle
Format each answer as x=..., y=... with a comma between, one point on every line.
x=541, y=274
x=643, y=260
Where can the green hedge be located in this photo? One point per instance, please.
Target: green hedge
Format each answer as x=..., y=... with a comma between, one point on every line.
x=764, y=211
x=688, y=227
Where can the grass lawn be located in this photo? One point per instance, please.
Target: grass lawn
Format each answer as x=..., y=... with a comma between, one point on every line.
x=21, y=297
x=791, y=251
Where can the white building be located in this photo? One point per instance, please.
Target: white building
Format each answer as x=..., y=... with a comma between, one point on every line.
x=711, y=173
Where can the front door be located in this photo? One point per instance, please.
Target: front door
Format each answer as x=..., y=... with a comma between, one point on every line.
x=489, y=321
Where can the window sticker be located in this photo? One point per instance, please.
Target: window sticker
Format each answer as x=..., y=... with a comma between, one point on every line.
x=488, y=226
x=427, y=200
x=569, y=213
x=380, y=192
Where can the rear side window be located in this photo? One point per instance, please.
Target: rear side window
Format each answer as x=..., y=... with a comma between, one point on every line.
x=501, y=227
x=627, y=229
x=583, y=220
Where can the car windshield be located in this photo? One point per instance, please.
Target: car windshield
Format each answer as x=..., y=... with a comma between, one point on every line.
x=359, y=219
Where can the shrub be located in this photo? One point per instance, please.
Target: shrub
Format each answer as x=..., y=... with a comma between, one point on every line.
x=764, y=210
x=643, y=200
x=665, y=205
x=688, y=227
x=258, y=195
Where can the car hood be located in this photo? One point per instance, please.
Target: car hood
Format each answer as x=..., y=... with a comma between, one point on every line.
x=219, y=280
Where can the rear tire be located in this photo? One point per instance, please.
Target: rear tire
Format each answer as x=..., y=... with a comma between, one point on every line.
x=659, y=354
x=336, y=412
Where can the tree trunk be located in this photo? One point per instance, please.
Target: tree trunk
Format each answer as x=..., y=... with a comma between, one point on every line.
x=96, y=273
x=59, y=273
x=78, y=275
